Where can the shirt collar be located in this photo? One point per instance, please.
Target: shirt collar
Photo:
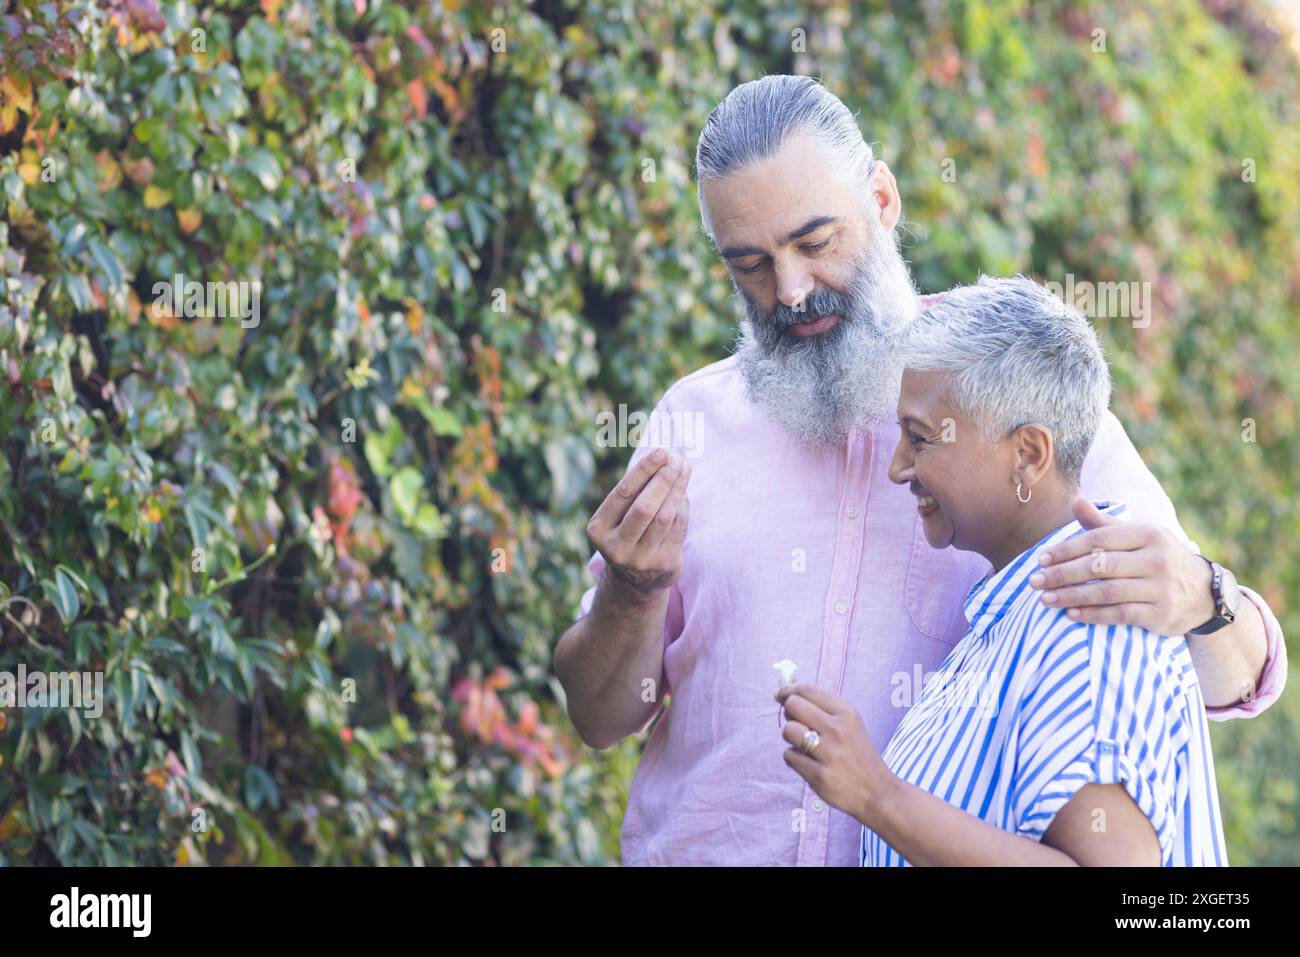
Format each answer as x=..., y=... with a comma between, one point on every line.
x=990, y=597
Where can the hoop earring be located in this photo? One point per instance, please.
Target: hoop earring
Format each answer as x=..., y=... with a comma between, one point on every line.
x=1027, y=498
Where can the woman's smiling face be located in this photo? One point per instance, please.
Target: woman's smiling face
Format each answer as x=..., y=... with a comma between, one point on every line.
x=962, y=483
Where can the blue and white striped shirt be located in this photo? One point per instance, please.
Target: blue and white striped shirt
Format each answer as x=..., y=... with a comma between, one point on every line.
x=1030, y=706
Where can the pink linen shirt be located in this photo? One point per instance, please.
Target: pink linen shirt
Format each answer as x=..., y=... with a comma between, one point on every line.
x=815, y=556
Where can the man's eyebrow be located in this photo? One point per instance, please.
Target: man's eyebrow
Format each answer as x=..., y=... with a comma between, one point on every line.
x=912, y=418
x=817, y=222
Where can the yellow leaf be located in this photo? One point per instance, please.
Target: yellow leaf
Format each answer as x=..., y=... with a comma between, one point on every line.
x=30, y=172
x=145, y=41
x=190, y=220
x=133, y=307
x=161, y=317
x=414, y=315
x=110, y=174
x=11, y=825
x=410, y=390
x=140, y=171
x=155, y=196
x=17, y=90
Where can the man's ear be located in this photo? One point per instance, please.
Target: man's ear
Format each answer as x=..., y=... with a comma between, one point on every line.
x=1036, y=452
x=884, y=190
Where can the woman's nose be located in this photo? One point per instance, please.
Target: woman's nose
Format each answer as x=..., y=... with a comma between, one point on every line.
x=900, y=467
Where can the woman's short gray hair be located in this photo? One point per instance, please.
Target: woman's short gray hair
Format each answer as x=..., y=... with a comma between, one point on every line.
x=1014, y=354
x=756, y=118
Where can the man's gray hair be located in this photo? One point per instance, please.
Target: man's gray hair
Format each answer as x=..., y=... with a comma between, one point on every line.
x=756, y=118
x=1013, y=354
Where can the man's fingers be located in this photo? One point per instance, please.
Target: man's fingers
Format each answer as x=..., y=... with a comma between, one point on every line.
x=1111, y=591
x=1139, y=614
x=677, y=535
x=1112, y=538
x=1099, y=564
x=1089, y=515
x=646, y=506
x=622, y=495
x=661, y=526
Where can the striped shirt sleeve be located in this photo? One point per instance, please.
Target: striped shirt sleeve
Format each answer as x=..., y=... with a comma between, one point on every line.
x=1114, y=469
x=1106, y=706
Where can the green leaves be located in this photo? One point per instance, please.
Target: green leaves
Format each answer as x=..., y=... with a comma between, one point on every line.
x=406, y=486
x=470, y=288
x=63, y=595
x=263, y=165
x=110, y=268
x=442, y=420
x=260, y=788
x=572, y=468
x=381, y=446
x=61, y=592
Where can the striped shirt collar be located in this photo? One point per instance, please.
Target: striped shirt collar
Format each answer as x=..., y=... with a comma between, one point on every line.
x=990, y=597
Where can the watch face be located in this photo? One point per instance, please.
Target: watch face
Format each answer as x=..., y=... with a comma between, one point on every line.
x=1229, y=590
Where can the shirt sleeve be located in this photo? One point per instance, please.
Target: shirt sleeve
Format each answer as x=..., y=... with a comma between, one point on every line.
x=1114, y=470
x=1272, y=679
x=1107, y=708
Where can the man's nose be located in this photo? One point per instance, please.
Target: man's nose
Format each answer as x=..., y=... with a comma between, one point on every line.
x=794, y=285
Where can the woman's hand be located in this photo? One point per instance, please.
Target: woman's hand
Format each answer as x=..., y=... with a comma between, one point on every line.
x=844, y=769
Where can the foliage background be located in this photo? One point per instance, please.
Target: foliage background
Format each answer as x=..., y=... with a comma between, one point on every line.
x=434, y=553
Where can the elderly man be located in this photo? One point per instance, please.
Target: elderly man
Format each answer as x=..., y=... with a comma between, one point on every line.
x=794, y=547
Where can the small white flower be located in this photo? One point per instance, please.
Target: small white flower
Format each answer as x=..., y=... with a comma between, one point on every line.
x=787, y=669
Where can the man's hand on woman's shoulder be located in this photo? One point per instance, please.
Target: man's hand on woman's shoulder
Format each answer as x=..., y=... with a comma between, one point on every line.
x=1125, y=573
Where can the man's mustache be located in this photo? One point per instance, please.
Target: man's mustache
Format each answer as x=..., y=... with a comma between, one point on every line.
x=820, y=303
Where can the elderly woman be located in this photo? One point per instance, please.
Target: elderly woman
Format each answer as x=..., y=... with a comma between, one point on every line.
x=1040, y=740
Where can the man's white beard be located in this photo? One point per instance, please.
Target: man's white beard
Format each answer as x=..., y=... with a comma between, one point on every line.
x=823, y=388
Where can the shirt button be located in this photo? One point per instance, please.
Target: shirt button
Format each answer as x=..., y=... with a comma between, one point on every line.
x=853, y=511
x=840, y=607
x=818, y=806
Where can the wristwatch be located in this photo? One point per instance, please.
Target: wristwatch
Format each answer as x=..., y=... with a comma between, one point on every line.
x=1227, y=599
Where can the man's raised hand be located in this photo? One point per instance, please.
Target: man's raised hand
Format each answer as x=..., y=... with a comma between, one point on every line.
x=640, y=527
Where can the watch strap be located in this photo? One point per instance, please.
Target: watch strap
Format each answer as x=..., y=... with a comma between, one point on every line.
x=1219, y=618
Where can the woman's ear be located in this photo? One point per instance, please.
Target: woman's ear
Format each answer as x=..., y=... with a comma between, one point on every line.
x=1036, y=453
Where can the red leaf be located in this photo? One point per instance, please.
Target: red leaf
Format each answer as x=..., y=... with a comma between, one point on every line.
x=416, y=36
x=419, y=97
